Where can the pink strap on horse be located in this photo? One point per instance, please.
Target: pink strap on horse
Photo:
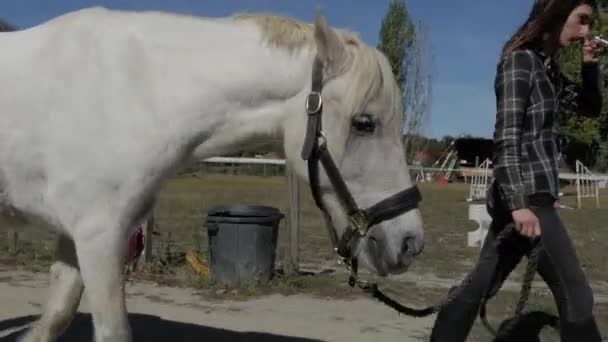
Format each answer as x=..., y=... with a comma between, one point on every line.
x=136, y=243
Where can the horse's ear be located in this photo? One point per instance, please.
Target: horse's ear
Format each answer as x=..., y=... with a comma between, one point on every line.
x=330, y=48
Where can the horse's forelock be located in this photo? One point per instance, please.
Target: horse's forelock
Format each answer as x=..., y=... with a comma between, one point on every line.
x=395, y=114
x=370, y=75
x=371, y=78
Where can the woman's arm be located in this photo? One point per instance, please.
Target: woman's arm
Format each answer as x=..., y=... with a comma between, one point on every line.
x=512, y=88
x=585, y=98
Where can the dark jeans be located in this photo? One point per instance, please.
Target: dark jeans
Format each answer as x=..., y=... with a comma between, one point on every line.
x=558, y=266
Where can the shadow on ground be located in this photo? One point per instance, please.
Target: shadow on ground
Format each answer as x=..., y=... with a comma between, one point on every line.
x=151, y=329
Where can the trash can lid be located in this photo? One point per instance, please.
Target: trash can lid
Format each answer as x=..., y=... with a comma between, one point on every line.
x=244, y=210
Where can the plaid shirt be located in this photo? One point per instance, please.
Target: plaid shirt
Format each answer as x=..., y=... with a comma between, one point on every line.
x=526, y=150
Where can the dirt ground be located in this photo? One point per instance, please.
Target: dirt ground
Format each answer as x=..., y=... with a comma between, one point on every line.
x=174, y=314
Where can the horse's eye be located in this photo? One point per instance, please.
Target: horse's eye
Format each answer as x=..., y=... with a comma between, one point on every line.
x=364, y=123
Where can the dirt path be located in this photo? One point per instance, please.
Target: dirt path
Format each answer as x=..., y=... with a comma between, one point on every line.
x=170, y=314
x=173, y=314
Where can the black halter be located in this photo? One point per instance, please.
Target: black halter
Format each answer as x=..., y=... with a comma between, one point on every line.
x=315, y=150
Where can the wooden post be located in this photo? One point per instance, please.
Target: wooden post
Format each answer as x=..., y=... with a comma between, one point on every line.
x=293, y=227
x=597, y=193
x=578, y=185
x=146, y=254
x=12, y=240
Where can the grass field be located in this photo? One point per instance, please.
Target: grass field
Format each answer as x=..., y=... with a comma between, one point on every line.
x=180, y=226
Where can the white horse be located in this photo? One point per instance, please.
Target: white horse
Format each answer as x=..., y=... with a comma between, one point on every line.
x=99, y=107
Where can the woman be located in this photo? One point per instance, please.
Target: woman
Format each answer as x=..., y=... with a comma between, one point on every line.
x=530, y=91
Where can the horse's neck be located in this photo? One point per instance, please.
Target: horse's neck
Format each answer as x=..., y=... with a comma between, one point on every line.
x=241, y=89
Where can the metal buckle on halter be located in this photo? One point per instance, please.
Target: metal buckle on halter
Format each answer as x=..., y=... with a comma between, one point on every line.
x=322, y=140
x=359, y=222
x=314, y=101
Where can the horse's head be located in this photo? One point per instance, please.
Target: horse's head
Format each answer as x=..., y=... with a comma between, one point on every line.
x=361, y=122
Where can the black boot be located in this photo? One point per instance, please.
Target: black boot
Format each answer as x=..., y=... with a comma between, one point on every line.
x=454, y=321
x=578, y=331
x=525, y=328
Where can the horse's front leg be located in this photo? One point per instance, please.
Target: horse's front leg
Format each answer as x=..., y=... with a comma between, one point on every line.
x=101, y=255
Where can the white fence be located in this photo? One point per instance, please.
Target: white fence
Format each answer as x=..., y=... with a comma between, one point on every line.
x=225, y=160
x=586, y=185
x=480, y=180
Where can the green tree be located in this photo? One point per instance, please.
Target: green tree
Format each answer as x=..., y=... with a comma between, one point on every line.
x=396, y=38
x=406, y=45
x=418, y=92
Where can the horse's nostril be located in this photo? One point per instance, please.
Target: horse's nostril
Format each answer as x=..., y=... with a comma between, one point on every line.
x=405, y=245
x=412, y=246
x=374, y=247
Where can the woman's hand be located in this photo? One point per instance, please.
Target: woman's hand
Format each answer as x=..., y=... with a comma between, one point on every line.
x=591, y=51
x=526, y=223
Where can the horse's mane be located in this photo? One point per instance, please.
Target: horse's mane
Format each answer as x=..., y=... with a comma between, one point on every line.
x=289, y=33
x=6, y=27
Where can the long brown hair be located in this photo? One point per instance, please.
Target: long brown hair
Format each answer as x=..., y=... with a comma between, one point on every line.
x=546, y=16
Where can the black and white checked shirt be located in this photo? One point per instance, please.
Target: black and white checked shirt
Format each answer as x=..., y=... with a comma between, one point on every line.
x=530, y=91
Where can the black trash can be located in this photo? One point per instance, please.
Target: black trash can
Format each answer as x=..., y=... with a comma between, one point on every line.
x=242, y=243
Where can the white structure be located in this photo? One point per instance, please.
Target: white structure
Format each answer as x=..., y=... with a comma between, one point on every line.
x=479, y=214
x=448, y=161
x=420, y=174
x=587, y=185
x=480, y=180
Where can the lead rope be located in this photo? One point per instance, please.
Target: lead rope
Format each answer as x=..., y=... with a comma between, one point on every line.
x=374, y=291
x=508, y=325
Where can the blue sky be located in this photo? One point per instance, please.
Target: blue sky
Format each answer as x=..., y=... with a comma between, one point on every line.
x=465, y=37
